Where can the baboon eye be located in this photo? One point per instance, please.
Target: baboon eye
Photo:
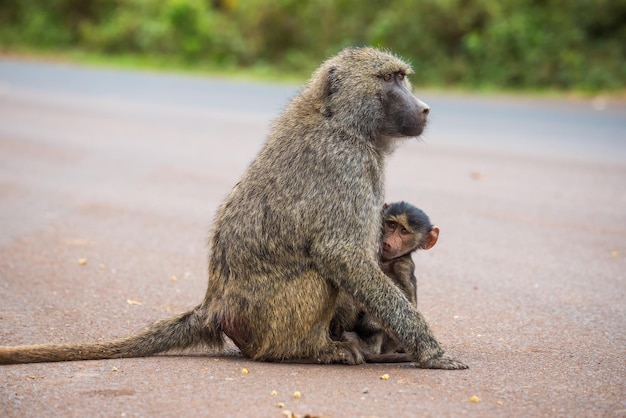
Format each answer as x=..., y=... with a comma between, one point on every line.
x=400, y=76
x=387, y=77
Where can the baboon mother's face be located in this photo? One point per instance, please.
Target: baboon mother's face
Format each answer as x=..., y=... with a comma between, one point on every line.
x=405, y=114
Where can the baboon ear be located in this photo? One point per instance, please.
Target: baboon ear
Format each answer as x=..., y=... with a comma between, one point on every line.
x=433, y=236
x=327, y=84
x=333, y=80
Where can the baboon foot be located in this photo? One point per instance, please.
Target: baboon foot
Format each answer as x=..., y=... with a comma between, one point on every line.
x=443, y=362
x=341, y=352
x=337, y=352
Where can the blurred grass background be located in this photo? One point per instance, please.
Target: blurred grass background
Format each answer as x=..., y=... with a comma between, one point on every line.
x=572, y=45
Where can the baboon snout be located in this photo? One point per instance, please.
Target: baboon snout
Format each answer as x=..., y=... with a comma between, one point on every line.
x=406, y=114
x=391, y=246
x=423, y=108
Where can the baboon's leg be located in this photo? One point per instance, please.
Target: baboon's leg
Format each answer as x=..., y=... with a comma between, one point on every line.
x=287, y=320
x=335, y=352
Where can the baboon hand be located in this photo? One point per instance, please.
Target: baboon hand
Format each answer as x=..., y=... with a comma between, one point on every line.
x=443, y=362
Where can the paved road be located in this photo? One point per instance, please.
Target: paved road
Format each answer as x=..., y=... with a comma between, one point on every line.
x=527, y=283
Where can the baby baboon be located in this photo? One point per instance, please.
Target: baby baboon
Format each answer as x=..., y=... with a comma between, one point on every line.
x=302, y=223
x=405, y=229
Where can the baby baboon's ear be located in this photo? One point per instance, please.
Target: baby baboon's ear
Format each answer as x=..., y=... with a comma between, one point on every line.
x=433, y=236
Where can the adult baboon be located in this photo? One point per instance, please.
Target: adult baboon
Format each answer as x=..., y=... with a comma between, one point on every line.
x=302, y=223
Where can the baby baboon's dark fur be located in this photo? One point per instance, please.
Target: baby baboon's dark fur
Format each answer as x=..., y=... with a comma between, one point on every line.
x=302, y=223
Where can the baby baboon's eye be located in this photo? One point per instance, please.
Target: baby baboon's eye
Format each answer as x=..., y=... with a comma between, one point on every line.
x=387, y=77
x=400, y=76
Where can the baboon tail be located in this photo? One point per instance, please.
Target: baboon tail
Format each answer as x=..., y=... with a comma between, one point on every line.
x=187, y=330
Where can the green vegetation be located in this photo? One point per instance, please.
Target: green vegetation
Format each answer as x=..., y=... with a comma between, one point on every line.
x=518, y=44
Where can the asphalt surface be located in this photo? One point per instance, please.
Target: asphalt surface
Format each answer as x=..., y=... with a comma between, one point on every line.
x=125, y=170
